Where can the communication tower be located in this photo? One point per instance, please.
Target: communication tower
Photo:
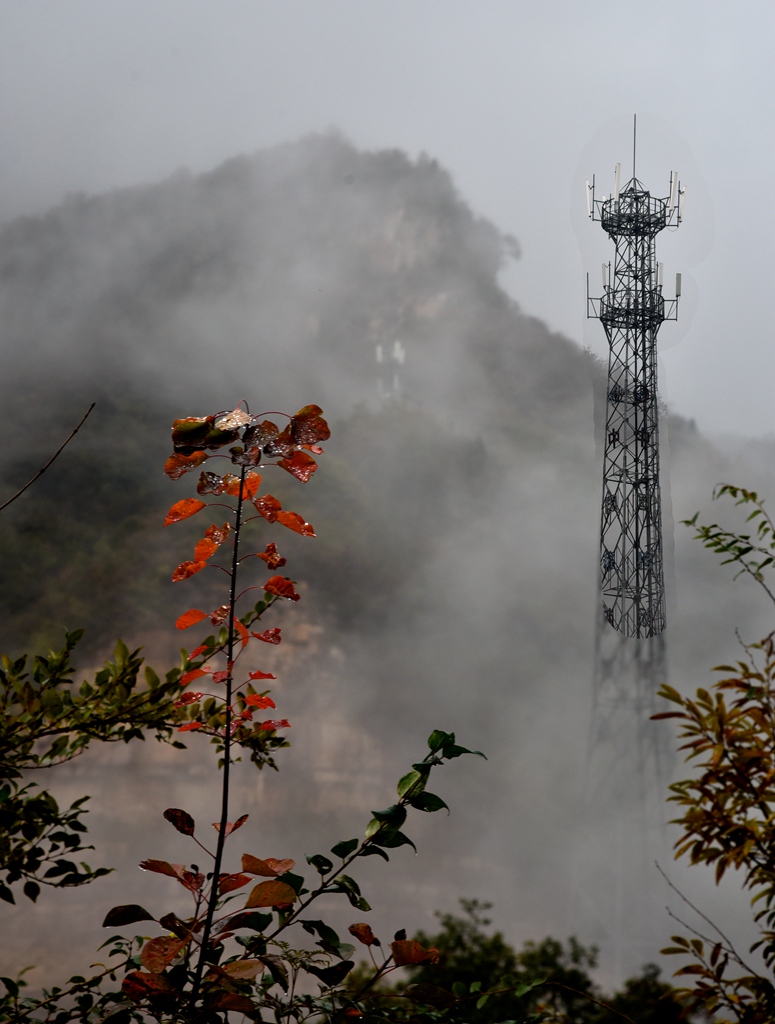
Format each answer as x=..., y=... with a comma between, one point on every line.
x=632, y=308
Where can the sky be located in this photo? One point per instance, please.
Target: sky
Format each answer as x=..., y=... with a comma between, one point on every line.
x=520, y=102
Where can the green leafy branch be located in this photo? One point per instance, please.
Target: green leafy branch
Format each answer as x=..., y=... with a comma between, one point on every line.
x=752, y=553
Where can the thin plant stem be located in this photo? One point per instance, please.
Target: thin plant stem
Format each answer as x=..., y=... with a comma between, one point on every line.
x=226, y=753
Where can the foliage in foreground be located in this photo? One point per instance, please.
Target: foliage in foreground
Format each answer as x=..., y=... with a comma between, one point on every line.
x=727, y=808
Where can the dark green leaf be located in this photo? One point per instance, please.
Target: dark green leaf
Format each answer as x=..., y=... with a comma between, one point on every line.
x=345, y=848
x=427, y=802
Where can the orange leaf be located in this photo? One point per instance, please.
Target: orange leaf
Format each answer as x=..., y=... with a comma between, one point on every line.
x=189, y=677
x=177, y=465
x=363, y=933
x=190, y=726
x=162, y=867
x=272, y=557
x=281, y=587
x=269, y=868
x=232, y=484
x=261, y=675
x=252, y=483
x=204, y=549
x=308, y=425
x=183, y=509
x=301, y=465
x=138, y=985
x=255, y=700
x=268, y=506
x=242, y=630
x=158, y=953
x=271, y=894
x=407, y=951
x=190, y=618
x=228, y=883
x=231, y=827
x=186, y=570
x=245, y=970
x=296, y=523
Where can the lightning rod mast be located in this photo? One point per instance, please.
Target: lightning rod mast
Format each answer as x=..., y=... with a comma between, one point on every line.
x=632, y=309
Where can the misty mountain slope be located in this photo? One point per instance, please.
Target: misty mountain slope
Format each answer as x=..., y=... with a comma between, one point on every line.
x=453, y=580
x=289, y=267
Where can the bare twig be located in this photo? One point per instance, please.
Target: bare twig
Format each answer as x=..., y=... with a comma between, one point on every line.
x=54, y=456
x=729, y=944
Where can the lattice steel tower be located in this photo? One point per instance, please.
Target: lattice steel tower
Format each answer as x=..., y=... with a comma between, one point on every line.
x=632, y=309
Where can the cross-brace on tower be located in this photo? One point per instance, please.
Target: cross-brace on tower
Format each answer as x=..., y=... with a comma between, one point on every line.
x=632, y=309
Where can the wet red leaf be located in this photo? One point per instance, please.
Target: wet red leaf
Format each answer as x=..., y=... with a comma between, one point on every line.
x=271, y=894
x=269, y=868
x=269, y=636
x=177, y=465
x=296, y=523
x=138, y=985
x=272, y=557
x=308, y=425
x=190, y=618
x=256, y=700
x=232, y=420
x=252, y=483
x=268, y=506
x=210, y=483
x=218, y=534
x=262, y=432
x=281, y=587
x=283, y=444
x=407, y=951
x=183, y=509
x=198, y=650
x=261, y=675
x=274, y=723
x=158, y=953
x=186, y=699
x=187, y=569
x=363, y=933
x=190, y=727
x=300, y=464
x=221, y=677
x=181, y=820
x=232, y=484
x=204, y=549
x=195, y=433
x=220, y=615
x=227, y=883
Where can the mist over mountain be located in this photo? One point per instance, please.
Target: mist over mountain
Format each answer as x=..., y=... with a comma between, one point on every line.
x=453, y=583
